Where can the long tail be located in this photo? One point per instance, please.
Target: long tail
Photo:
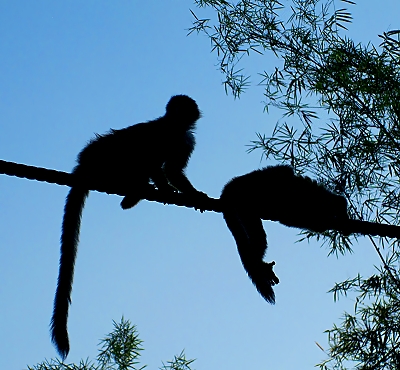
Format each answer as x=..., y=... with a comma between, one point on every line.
x=69, y=242
x=251, y=242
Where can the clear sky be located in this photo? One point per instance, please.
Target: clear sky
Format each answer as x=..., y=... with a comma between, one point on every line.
x=69, y=69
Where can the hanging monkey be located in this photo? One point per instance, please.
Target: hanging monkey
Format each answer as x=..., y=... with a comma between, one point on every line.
x=129, y=159
x=276, y=193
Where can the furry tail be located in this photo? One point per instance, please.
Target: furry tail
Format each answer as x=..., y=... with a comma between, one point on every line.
x=69, y=242
x=251, y=242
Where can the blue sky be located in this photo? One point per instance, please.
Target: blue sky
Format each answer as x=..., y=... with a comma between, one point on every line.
x=70, y=69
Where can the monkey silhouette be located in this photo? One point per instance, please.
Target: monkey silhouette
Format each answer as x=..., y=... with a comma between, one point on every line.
x=153, y=153
x=276, y=193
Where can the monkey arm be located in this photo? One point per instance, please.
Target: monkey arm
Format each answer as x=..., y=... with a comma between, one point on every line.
x=177, y=160
x=161, y=181
x=251, y=242
x=174, y=171
x=178, y=180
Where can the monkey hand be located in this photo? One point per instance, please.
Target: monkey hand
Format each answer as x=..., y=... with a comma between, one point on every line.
x=264, y=279
x=200, y=197
x=166, y=192
x=270, y=274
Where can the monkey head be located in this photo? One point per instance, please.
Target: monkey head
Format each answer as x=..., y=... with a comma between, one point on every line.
x=183, y=110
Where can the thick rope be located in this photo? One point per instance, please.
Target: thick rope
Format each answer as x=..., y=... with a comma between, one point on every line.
x=64, y=178
x=153, y=195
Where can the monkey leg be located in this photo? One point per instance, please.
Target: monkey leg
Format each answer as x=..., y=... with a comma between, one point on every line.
x=263, y=276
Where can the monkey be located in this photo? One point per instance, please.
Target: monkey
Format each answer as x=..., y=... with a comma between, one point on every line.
x=276, y=193
x=132, y=159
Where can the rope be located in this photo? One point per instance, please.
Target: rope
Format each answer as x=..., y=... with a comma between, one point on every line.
x=64, y=178
x=179, y=199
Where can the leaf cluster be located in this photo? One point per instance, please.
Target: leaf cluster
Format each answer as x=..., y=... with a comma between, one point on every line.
x=340, y=123
x=370, y=337
x=120, y=350
x=323, y=76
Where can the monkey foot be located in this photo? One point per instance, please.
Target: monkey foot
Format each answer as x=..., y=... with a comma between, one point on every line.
x=130, y=201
